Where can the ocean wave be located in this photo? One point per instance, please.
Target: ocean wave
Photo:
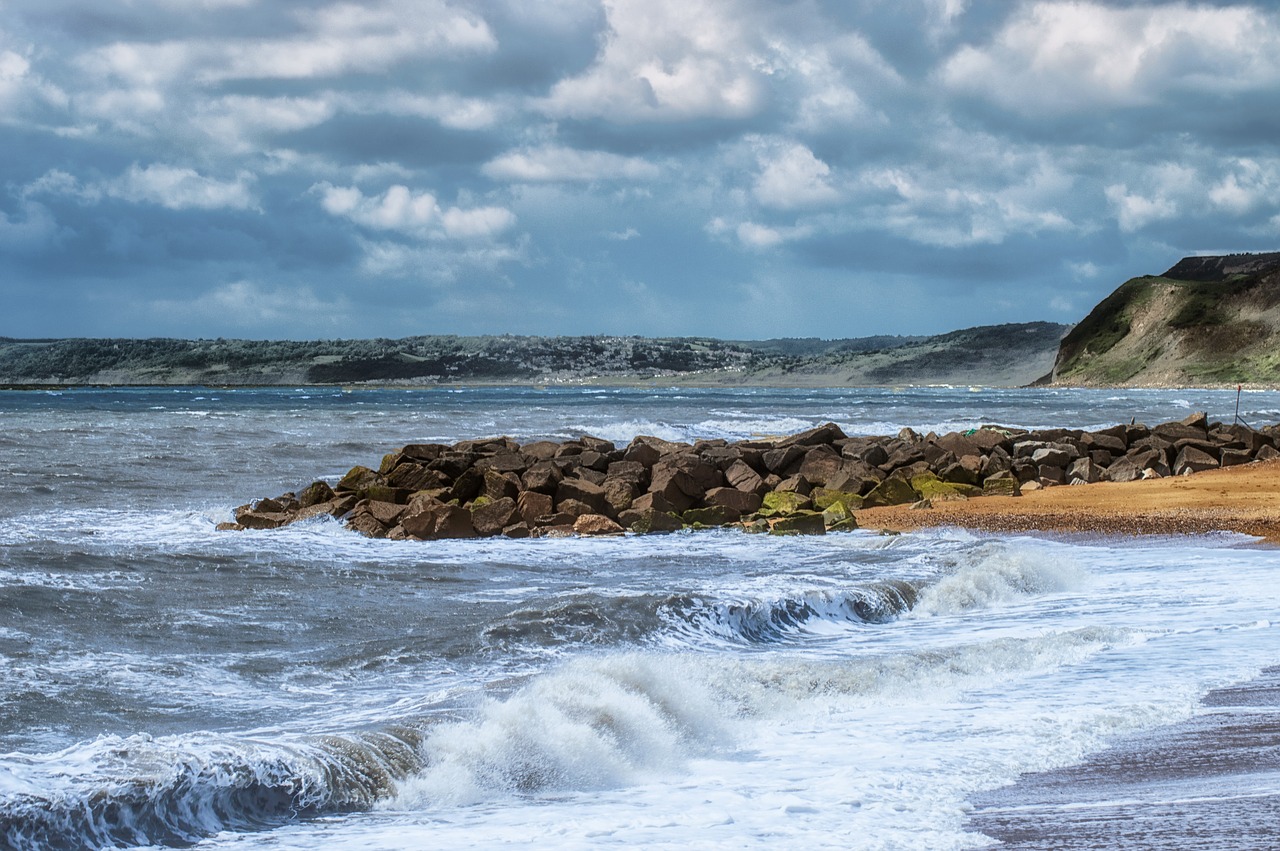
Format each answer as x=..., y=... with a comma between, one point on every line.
x=133, y=791
x=1000, y=573
x=697, y=619
x=593, y=723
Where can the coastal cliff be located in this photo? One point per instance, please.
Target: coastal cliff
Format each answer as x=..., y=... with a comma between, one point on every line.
x=1207, y=320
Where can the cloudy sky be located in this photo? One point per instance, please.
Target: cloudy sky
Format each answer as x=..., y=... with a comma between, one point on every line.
x=735, y=168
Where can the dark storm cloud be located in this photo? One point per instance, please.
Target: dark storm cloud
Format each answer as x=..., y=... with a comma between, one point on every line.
x=633, y=166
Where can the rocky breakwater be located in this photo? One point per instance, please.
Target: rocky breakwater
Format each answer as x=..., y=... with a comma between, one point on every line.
x=806, y=483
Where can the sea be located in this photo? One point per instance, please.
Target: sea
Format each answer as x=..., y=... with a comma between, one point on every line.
x=164, y=684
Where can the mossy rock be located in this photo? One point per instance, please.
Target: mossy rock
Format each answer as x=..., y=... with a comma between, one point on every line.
x=836, y=514
x=314, y=494
x=892, y=491
x=384, y=493
x=930, y=487
x=652, y=520
x=799, y=523
x=783, y=503
x=389, y=462
x=356, y=478
x=480, y=501
x=756, y=527
x=1001, y=486
x=712, y=515
x=849, y=525
x=824, y=499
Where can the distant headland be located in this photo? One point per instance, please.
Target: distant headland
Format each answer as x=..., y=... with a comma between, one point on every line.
x=1206, y=321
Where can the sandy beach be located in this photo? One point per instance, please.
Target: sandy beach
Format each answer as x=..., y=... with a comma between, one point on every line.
x=1244, y=498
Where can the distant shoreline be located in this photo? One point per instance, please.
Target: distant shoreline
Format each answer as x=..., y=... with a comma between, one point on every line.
x=638, y=383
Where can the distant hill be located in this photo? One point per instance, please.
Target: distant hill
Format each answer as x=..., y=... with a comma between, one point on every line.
x=1208, y=320
x=998, y=354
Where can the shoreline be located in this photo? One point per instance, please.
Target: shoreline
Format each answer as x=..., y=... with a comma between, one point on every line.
x=1207, y=782
x=1244, y=499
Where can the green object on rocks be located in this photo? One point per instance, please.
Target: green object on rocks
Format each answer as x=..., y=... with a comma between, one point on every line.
x=930, y=487
x=712, y=515
x=652, y=520
x=1001, y=485
x=799, y=523
x=357, y=478
x=837, y=513
x=824, y=499
x=892, y=491
x=783, y=503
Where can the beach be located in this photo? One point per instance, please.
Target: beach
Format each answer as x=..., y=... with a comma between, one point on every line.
x=1243, y=499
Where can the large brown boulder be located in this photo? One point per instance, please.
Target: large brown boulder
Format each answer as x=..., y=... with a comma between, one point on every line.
x=655, y=501
x=741, y=502
x=1193, y=460
x=532, y=504
x=417, y=477
x=386, y=513
x=362, y=521
x=820, y=465
x=314, y=494
x=629, y=471
x=741, y=476
x=826, y=433
x=596, y=524
x=493, y=517
x=781, y=459
x=677, y=486
x=543, y=476
x=587, y=493
x=498, y=485
x=705, y=476
x=619, y=493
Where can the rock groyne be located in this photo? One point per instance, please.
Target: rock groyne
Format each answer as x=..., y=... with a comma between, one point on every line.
x=807, y=483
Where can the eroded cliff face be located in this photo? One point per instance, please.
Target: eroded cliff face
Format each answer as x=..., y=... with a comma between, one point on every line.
x=1207, y=320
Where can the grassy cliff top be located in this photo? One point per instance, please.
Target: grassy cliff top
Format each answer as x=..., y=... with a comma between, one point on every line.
x=1207, y=320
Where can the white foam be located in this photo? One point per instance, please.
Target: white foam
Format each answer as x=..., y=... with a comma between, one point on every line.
x=999, y=573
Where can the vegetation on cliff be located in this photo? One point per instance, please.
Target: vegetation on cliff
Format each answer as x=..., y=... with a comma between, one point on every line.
x=1208, y=320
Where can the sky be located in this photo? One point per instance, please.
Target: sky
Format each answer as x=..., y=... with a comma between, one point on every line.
x=734, y=168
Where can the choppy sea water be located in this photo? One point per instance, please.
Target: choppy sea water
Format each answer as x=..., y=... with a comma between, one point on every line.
x=165, y=684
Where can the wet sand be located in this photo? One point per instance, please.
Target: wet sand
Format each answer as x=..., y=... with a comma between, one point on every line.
x=1212, y=782
x=1244, y=498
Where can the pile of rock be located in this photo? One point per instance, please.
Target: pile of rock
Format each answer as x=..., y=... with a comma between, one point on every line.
x=806, y=483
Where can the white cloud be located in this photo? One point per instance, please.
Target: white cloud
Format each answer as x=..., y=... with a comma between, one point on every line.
x=168, y=186
x=20, y=86
x=440, y=263
x=1055, y=57
x=181, y=189
x=1134, y=211
x=332, y=40
x=236, y=121
x=759, y=236
x=980, y=197
x=668, y=60
x=791, y=176
x=558, y=164
x=1248, y=185
x=418, y=214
